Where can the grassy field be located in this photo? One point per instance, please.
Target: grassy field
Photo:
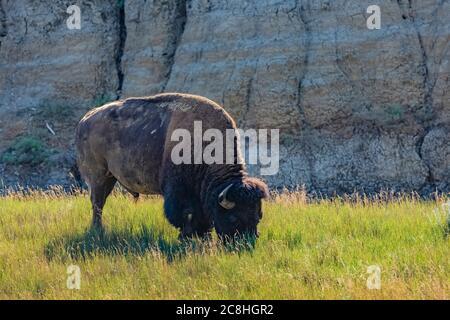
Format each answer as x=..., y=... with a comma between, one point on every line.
x=307, y=250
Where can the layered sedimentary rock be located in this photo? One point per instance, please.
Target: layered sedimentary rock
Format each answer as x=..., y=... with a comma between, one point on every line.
x=357, y=109
x=42, y=64
x=42, y=60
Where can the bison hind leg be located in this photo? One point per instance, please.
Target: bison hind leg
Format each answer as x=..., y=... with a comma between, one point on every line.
x=100, y=190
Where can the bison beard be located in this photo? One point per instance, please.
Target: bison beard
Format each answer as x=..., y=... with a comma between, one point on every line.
x=129, y=141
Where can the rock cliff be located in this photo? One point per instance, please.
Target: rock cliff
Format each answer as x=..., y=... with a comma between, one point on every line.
x=357, y=109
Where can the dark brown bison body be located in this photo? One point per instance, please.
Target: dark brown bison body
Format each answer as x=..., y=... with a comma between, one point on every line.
x=130, y=141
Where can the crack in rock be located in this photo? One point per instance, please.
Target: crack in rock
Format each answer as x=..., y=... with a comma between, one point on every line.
x=121, y=46
x=3, y=27
x=179, y=25
x=429, y=81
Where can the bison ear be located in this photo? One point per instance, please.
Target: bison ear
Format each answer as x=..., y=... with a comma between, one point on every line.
x=223, y=201
x=263, y=191
x=260, y=188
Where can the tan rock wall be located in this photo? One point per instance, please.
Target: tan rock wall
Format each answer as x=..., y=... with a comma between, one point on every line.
x=357, y=108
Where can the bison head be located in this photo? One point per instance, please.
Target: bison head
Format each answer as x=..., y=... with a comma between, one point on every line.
x=238, y=207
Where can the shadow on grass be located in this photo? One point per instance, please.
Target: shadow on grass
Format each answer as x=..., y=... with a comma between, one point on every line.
x=101, y=242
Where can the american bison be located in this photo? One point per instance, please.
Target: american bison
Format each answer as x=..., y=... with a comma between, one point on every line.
x=131, y=141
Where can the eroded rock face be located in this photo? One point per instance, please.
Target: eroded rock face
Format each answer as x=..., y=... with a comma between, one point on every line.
x=436, y=154
x=42, y=60
x=154, y=29
x=43, y=64
x=357, y=109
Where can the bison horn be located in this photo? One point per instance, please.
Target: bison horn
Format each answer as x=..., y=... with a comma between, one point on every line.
x=223, y=199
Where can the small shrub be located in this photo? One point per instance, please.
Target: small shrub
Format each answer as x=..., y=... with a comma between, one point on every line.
x=26, y=150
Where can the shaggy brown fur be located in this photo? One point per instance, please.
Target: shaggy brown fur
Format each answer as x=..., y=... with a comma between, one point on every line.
x=130, y=141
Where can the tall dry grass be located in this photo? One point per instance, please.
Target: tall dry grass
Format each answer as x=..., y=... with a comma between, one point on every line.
x=310, y=248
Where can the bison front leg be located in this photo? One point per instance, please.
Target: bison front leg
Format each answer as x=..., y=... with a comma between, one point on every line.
x=195, y=225
x=100, y=190
x=183, y=210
